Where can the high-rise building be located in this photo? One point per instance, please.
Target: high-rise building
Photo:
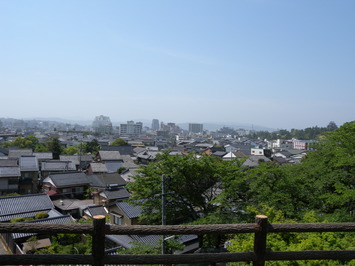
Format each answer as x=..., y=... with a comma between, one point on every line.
x=195, y=128
x=102, y=125
x=155, y=124
x=131, y=128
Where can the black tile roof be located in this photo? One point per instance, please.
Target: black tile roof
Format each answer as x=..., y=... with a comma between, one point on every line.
x=8, y=162
x=10, y=171
x=119, y=194
x=17, y=153
x=58, y=166
x=112, y=166
x=24, y=204
x=131, y=211
x=29, y=163
x=102, y=180
x=124, y=150
x=55, y=220
x=110, y=155
x=97, y=210
x=68, y=179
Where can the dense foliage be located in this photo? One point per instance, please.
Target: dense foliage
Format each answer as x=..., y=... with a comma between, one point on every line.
x=53, y=145
x=210, y=190
x=119, y=142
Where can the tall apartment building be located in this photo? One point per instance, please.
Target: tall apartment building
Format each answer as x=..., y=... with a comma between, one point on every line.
x=131, y=128
x=195, y=128
x=155, y=124
x=102, y=125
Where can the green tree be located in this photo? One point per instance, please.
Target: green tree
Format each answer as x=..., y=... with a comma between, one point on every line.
x=92, y=147
x=295, y=241
x=29, y=142
x=71, y=150
x=119, y=142
x=192, y=184
x=55, y=147
x=330, y=170
x=41, y=147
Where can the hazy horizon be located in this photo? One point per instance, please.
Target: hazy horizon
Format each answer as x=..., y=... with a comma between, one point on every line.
x=272, y=63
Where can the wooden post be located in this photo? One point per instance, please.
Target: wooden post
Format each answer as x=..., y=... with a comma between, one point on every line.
x=98, y=240
x=260, y=240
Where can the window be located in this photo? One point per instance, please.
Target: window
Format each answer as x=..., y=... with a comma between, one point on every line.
x=79, y=189
x=117, y=219
x=27, y=175
x=66, y=190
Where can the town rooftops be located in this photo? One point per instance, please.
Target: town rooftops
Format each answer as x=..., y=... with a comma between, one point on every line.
x=131, y=211
x=254, y=160
x=124, y=149
x=28, y=163
x=76, y=159
x=64, y=219
x=17, y=153
x=56, y=165
x=10, y=171
x=67, y=179
x=43, y=155
x=24, y=204
x=118, y=194
x=109, y=155
x=98, y=168
x=113, y=166
x=95, y=210
x=102, y=180
x=8, y=162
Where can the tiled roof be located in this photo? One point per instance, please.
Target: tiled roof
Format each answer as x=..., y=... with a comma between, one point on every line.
x=129, y=175
x=56, y=165
x=72, y=204
x=52, y=213
x=56, y=220
x=126, y=240
x=72, y=158
x=69, y=179
x=29, y=163
x=96, y=210
x=17, y=153
x=76, y=159
x=112, y=166
x=148, y=239
x=24, y=204
x=102, y=180
x=124, y=150
x=110, y=155
x=98, y=168
x=254, y=160
x=43, y=155
x=10, y=171
x=128, y=162
x=121, y=193
x=8, y=162
x=131, y=211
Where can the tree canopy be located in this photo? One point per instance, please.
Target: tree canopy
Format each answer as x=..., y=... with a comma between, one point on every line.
x=192, y=185
x=119, y=142
x=29, y=142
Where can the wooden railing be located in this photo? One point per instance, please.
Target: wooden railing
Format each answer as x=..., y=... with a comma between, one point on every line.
x=261, y=228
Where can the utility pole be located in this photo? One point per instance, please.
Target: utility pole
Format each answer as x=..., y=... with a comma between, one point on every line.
x=163, y=215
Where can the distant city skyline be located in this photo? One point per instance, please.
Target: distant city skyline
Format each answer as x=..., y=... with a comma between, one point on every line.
x=271, y=63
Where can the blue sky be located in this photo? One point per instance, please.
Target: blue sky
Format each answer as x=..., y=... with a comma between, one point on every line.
x=275, y=63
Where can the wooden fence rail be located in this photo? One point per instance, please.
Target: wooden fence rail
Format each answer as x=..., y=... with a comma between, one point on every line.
x=261, y=228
